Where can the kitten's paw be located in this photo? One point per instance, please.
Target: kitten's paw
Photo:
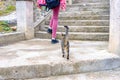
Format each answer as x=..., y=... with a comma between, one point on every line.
x=68, y=58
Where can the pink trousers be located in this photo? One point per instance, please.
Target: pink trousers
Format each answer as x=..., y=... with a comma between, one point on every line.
x=54, y=21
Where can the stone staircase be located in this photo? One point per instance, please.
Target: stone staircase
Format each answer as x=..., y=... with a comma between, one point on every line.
x=87, y=20
x=38, y=59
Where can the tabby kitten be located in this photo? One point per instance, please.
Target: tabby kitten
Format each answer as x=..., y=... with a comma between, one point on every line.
x=65, y=43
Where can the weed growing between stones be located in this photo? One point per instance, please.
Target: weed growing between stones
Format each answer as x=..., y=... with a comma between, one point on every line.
x=8, y=10
x=6, y=7
x=5, y=28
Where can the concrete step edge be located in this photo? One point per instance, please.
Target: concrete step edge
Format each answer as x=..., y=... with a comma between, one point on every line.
x=104, y=75
x=94, y=10
x=81, y=12
x=84, y=17
x=9, y=38
x=96, y=29
x=79, y=29
x=83, y=20
x=59, y=26
x=61, y=68
x=82, y=33
x=96, y=1
x=90, y=4
x=76, y=36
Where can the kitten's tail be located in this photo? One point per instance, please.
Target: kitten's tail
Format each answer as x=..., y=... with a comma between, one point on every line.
x=67, y=28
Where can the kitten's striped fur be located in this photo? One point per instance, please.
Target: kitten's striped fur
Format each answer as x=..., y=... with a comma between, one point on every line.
x=65, y=43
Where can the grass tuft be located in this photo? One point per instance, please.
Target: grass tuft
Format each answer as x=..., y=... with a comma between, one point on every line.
x=8, y=10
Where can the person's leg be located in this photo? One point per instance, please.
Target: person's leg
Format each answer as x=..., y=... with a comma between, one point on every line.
x=55, y=21
x=51, y=22
x=50, y=25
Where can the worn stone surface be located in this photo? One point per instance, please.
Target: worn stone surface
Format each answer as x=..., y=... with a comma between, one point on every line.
x=76, y=36
x=39, y=58
x=103, y=75
x=97, y=29
x=91, y=1
x=10, y=38
x=82, y=15
x=102, y=12
x=90, y=5
x=83, y=22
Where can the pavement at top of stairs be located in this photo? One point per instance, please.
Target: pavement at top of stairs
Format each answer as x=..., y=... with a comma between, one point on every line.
x=38, y=51
x=38, y=58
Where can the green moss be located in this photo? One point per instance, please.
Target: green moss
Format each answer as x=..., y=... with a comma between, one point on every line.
x=8, y=10
x=1, y=28
x=1, y=12
x=4, y=27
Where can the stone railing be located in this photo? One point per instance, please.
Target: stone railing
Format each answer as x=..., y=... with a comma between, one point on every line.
x=28, y=17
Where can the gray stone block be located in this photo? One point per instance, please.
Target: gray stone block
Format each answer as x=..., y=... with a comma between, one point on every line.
x=9, y=38
x=76, y=36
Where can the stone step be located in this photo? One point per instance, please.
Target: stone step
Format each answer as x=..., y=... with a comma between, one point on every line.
x=90, y=5
x=100, y=75
x=91, y=1
x=87, y=7
x=9, y=38
x=99, y=12
x=82, y=22
x=39, y=58
x=84, y=17
x=76, y=36
x=104, y=29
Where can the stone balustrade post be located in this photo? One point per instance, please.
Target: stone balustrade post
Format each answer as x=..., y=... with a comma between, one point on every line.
x=114, y=38
x=24, y=10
